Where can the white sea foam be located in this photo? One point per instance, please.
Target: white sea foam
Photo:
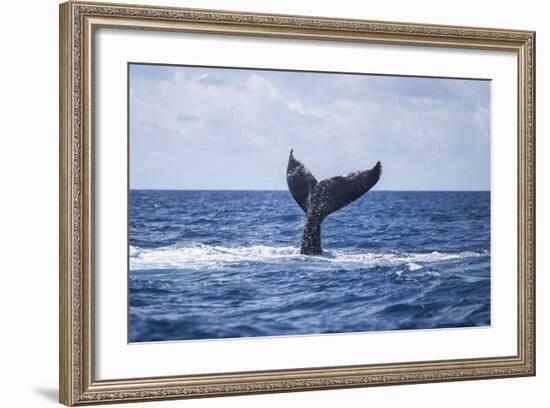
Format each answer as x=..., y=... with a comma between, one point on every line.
x=413, y=276
x=206, y=256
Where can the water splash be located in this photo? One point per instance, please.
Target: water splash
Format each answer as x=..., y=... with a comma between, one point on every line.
x=208, y=256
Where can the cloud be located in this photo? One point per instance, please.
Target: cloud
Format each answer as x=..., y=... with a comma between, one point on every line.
x=229, y=128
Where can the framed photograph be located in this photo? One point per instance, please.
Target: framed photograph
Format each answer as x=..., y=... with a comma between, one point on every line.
x=256, y=203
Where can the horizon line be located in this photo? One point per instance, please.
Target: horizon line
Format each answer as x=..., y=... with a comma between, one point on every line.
x=270, y=189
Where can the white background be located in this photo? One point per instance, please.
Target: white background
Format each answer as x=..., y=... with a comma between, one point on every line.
x=28, y=223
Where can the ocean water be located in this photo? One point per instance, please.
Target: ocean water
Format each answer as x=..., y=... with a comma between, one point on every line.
x=224, y=264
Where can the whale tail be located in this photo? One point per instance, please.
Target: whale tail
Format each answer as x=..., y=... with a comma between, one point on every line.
x=320, y=199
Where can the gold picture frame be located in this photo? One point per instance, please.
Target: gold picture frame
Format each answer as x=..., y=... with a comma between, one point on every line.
x=78, y=22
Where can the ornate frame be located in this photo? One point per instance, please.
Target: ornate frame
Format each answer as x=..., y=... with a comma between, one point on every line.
x=78, y=22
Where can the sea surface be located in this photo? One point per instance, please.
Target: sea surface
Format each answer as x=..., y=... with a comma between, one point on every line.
x=224, y=264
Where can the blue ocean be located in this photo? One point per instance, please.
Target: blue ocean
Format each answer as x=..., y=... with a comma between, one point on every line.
x=226, y=264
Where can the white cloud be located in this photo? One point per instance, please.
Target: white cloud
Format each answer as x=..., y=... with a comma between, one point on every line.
x=191, y=118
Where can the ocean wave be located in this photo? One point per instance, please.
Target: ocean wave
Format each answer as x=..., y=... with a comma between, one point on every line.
x=208, y=256
x=402, y=276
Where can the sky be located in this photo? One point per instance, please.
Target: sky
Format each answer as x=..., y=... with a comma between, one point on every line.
x=226, y=128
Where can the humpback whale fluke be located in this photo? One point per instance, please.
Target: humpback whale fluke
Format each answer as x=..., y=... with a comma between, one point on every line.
x=319, y=199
